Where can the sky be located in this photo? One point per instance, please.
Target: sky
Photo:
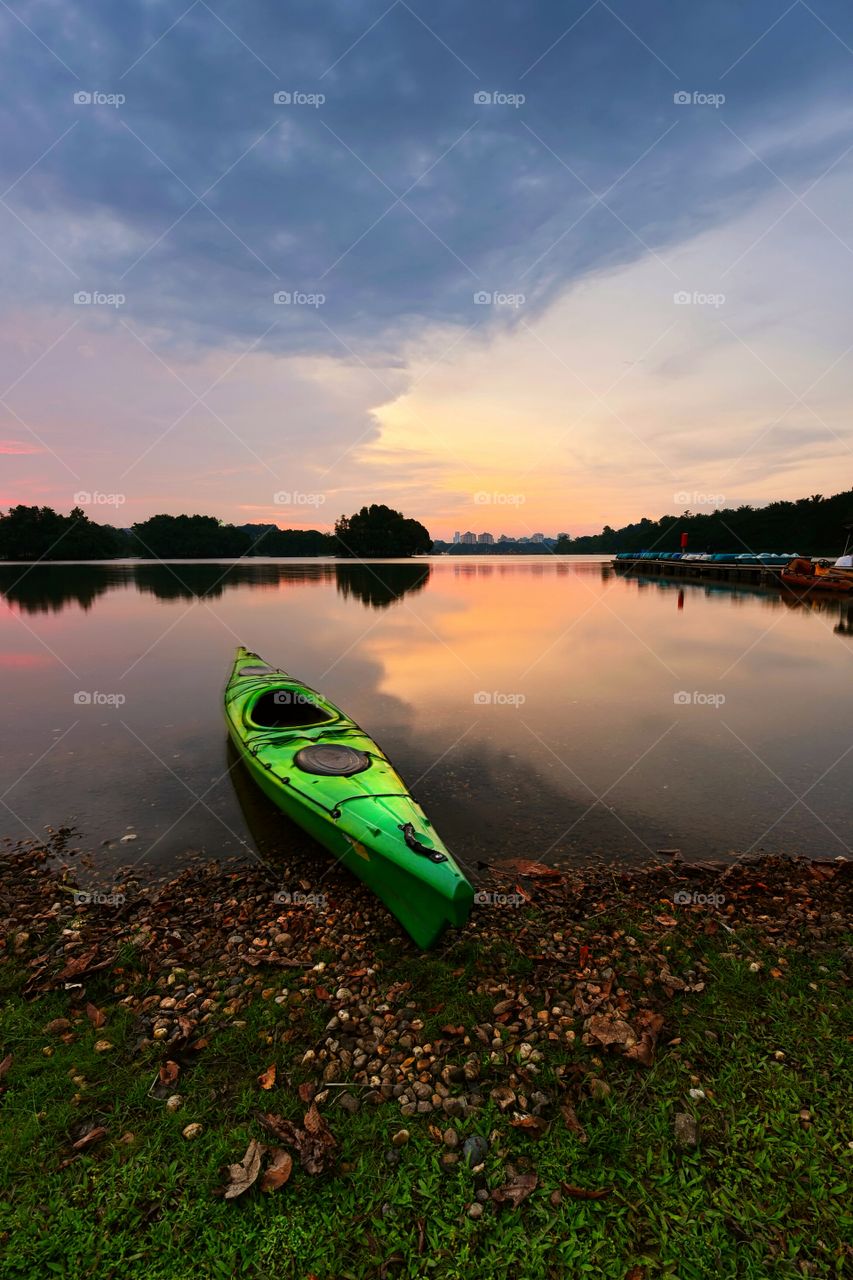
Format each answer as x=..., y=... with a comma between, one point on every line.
x=519, y=267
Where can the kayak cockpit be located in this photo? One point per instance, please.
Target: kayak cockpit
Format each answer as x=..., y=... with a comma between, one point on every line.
x=285, y=709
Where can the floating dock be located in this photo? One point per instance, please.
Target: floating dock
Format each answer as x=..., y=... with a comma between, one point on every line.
x=748, y=575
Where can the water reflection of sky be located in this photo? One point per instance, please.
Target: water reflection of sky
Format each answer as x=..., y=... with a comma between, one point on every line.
x=538, y=708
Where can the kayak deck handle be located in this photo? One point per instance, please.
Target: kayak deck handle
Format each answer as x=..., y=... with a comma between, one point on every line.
x=411, y=839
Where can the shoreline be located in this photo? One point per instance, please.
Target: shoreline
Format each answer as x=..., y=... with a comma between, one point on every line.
x=510, y=1073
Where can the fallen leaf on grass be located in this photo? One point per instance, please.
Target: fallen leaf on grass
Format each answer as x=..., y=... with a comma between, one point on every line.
x=516, y=1189
x=607, y=1030
x=668, y=922
x=649, y=1026
x=306, y=1091
x=5, y=1065
x=95, y=1015
x=89, y=1139
x=314, y=1144
x=267, y=1078
x=169, y=1072
x=572, y=1123
x=279, y=1170
x=503, y=1096
x=244, y=1175
x=57, y=1026
x=535, y=1124
x=581, y=1193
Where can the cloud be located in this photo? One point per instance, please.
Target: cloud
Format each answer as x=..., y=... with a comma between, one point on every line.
x=399, y=196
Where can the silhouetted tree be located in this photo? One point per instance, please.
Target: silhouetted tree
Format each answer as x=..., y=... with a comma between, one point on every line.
x=379, y=531
x=40, y=533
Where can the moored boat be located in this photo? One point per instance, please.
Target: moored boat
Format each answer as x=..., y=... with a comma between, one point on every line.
x=326, y=774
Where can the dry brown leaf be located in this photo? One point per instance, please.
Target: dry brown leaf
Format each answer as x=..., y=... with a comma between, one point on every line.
x=244, y=1175
x=581, y=1193
x=89, y=1139
x=169, y=1072
x=648, y=1025
x=5, y=1065
x=95, y=1015
x=516, y=1189
x=503, y=1096
x=306, y=1091
x=267, y=1078
x=279, y=1170
x=572, y=1123
x=668, y=922
x=535, y=1125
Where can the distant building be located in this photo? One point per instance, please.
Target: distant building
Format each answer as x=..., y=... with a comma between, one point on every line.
x=487, y=538
x=468, y=538
x=456, y=537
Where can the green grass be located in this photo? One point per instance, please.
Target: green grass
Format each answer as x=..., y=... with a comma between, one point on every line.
x=761, y=1197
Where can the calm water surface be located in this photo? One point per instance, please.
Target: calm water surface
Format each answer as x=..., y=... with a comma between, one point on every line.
x=538, y=708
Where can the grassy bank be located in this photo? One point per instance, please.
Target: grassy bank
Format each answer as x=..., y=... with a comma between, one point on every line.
x=567, y=1027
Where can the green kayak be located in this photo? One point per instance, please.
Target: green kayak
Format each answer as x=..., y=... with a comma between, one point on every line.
x=326, y=774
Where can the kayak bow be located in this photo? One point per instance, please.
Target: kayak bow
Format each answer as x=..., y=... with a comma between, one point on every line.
x=328, y=776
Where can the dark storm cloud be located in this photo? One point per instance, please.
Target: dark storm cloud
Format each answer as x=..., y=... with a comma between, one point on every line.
x=495, y=197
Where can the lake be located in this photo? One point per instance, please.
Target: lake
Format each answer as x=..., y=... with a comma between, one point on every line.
x=538, y=707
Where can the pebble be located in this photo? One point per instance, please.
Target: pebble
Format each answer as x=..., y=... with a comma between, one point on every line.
x=686, y=1130
x=192, y=1130
x=475, y=1149
x=174, y=1102
x=400, y=1138
x=103, y=1046
x=475, y=1210
x=349, y=1103
x=450, y=1138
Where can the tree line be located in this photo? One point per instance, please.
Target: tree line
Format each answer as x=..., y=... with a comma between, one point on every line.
x=810, y=526
x=40, y=533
